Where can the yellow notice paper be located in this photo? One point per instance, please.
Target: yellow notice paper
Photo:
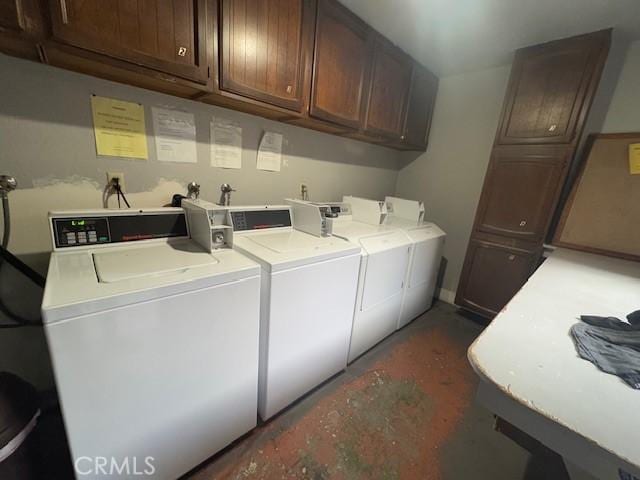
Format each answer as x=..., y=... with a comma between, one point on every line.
x=119, y=128
x=634, y=158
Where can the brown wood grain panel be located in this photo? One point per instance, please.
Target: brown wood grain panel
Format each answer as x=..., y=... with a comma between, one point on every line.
x=492, y=275
x=265, y=48
x=128, y=28
x=549, y=89
x=166, y=35
x=388, y=91
x=148, y=31
x=343, y=52
x=424, y=88
x=521, y=190
x=166, y=30
x=11, y=15
x=184, y=31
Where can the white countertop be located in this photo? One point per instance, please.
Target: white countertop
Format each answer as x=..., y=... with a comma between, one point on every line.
x=529, y=355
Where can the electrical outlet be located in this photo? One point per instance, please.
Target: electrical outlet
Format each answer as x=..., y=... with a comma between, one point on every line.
x=119, y=176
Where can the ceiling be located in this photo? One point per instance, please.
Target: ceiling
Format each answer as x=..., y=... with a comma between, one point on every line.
x=454, y=36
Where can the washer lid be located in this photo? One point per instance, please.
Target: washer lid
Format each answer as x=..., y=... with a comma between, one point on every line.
x=294, y=242
x=95, y=279
x=130, y=263
x=417, y=231
x=279, y=250
x=372, y=238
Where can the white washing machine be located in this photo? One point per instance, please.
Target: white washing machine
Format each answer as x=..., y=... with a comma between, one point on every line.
x=154, y=341
x=308, y=294
x=424, y=260
x=383, y=268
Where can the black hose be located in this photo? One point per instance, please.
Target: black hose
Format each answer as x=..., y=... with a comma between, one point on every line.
x=6, y=256
x=22, y=267
x=7, y=220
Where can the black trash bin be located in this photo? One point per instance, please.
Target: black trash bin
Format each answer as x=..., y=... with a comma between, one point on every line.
x=19, y=411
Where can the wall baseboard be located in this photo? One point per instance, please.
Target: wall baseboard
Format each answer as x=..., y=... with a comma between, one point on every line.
x=447, y=296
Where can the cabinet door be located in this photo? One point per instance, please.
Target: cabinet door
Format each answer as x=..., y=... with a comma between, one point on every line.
x=21, y=28
x=341, y=65
x=11, y=15
x=548, y=88
x=492, y=275
x=388, y=91
x=422, y=98
x=165, y=35
x=265, y=46
x=521, y=190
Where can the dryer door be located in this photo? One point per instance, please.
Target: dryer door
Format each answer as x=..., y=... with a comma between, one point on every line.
x=386, y=268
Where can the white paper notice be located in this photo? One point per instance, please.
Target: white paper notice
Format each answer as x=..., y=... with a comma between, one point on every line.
x=226, y=144
x=175, y=134
x=270, y=152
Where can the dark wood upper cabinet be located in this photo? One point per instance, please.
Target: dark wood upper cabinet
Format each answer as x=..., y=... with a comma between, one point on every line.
x=520, y=191
x=549, y=88
x=21, y=26
x=422, y=98
x=164, y=35
x=492, y=275
x=311, y=63
x=266, y=48
x=390, y=82
x=11, y=15
x=342, y=60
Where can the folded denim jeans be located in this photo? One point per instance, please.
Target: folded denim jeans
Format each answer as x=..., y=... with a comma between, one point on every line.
x=611, y=345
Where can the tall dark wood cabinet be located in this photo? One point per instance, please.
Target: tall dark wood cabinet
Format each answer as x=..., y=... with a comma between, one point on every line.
x=550, y=91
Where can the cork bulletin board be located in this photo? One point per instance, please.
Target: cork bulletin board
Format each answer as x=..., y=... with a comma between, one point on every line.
x=602, y=213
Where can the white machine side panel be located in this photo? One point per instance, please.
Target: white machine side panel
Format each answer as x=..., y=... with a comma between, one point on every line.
x=175, y=379
x=385, y=275
x=422, y=278
x=426, y=261
x=310, y=323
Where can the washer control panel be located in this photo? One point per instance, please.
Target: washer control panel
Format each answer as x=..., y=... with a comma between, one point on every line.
x=70, y=232
x=242, y=220
x=84, y=230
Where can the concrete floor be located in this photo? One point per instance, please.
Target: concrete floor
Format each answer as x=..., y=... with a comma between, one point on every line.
x=404, y=410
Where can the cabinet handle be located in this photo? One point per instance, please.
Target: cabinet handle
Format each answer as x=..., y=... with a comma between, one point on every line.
x=512, y=257
x=401, y=137
x=553, y=127
x=167, y=78
x=523, y=223
x=182, y=51
x=63, y=11
x=289, y=88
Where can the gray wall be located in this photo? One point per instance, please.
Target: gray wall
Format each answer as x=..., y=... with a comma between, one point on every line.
x=47, y=143
x=448, y=176
x=624, y=111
